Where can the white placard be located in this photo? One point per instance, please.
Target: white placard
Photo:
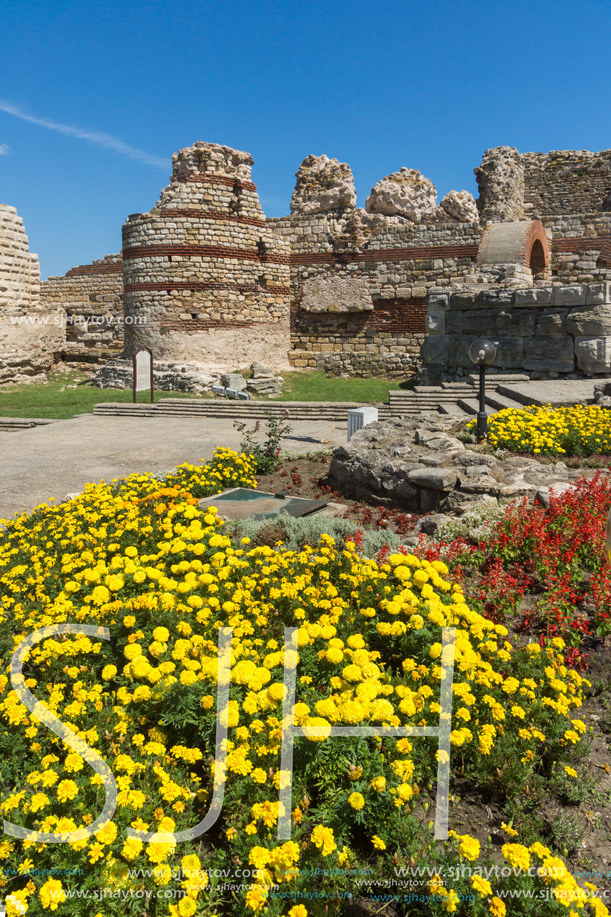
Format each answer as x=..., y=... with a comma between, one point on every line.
x=142, y=370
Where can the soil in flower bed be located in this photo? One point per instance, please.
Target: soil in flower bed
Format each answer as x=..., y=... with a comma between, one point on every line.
x=307, y=477
x=576, y=820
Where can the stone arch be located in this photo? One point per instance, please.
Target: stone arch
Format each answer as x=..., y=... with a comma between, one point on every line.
x=523, y=243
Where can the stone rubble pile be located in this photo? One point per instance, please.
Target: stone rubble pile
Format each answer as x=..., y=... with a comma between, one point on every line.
x=167, y=377
x=421, y=465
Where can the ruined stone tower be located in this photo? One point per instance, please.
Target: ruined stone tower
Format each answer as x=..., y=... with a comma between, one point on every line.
x=205, y=279
x=29, y=333
x=19, y=270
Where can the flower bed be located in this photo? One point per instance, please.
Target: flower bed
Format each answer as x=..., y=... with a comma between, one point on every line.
x=555, y=555
x=143, y=560
x=577, y=430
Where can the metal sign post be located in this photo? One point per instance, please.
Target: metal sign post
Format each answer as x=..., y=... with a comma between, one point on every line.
x=143, y=371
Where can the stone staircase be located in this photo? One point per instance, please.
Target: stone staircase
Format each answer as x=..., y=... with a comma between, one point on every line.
x=459, y=399
x=239, y=410
x=455, y=399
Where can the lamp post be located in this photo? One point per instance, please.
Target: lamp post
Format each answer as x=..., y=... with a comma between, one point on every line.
x=482, y=352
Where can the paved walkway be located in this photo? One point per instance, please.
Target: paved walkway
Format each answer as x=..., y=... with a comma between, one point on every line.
x=556, y=391
x=61, y=457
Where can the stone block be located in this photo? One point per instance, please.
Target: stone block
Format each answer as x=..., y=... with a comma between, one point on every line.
x=458, y=347
x=533, y=297
x=336, y=294
x=454, y=322
x=234, y=381
x=597, y=293
x=570, y=296
x=551, y=321
x=435, y=322
x=496, y=299
x=509, y=353
x=479, y=323
x=593, y=354
x=519, y=322
x=549, y=354
x=435, y=349
x=591, y=320
x=466, y=299
x=438, y=300
x=433, y=478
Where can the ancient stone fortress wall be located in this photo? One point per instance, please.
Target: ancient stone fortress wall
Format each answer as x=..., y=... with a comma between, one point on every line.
x=29, y=331
x=545, y=331
x=205, y=278
x=91, y=296
x=359, y=277
x=568, y=191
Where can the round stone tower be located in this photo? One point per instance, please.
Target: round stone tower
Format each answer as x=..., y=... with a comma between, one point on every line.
x=206, y=280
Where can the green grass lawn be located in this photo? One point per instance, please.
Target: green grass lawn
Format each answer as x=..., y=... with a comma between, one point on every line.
x=57, y=399
x=54, y=399
x=314, y=386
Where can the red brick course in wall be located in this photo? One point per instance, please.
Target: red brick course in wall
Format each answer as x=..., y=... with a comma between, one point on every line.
x=191, y=250
x=208, y=215
x=402, y=317
x=386, y=254
x=191, y=325
x=192, y=285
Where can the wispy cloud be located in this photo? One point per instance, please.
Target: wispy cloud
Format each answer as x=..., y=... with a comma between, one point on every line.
x=4, y=148
x=106, y=141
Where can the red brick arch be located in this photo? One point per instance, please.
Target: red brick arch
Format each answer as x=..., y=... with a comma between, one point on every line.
x=521, y=242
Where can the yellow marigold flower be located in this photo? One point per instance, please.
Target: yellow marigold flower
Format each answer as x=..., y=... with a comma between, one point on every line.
x=378, y=843
x=517, y=855
x=51, y=894
x=323, y=839
x=481, y=886
x=356, y=800
x=497, y=908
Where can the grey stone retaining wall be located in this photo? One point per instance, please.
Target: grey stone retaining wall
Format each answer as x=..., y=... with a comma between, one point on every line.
x=546, y=332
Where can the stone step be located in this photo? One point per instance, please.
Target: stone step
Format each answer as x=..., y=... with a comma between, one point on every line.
x=23, y=423
x=521, y=397
x=469, y=406
x=240, y=410
x=500, y=378
x=454, y=410
x=499, y=401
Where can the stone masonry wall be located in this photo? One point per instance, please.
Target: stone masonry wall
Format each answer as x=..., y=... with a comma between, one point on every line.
x=29, y=332
x=384, y=265
x=566, y=182
x=546, y=332
x=203, y=274
x=91, y=296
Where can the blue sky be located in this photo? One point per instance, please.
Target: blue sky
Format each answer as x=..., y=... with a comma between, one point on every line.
x=379, y=84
